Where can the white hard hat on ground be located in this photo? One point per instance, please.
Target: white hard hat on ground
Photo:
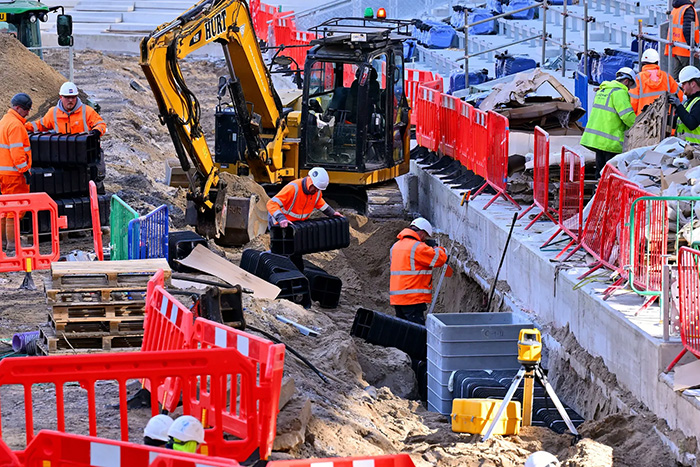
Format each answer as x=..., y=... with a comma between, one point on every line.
x=541, y=459
x=157, y=427
x=319, y=177
x=626, y=73
x=688, y=73
x=423, y=224
x=68, y=89
x=650, y=56
x=187, y=428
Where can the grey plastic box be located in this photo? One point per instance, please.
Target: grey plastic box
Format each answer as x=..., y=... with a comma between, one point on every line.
x=468, y=341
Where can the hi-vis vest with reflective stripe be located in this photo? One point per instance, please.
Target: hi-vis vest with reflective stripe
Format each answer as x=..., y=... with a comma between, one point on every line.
x=682, y=131
x=652, y=83
x=610, y=115
x=675, y=31
x=15, y=152
x=81, y=119
x=412, y=262
x=294, y=203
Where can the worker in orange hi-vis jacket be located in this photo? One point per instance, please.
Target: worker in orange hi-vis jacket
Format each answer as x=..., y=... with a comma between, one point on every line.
x=652, y=83
x=70, y=115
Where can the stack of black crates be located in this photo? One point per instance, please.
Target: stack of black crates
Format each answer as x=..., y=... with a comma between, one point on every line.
x=62, y=167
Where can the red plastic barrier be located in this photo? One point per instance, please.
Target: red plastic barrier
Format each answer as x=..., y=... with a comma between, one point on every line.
x=167, y=326
x=262, y=15
x=449, y=119
x=206, y=368
x=96, y=226
x=428, y=115
x=299, y=38
x=479, y=147
x=464, y=135
x=495, y=158
x=29, y=257
x=397, y=460
x=283, y=27
x=268, y=357
x=56, y=449
x=414, y=79
x=571, y=179
x=541, y=179
x=688, y=302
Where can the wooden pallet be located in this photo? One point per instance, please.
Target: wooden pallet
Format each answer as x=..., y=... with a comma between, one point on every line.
x=84, y=276
x=99, y=311
x=101, y=295
x=52, y=341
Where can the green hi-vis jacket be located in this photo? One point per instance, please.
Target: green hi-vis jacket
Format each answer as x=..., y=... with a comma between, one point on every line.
x=610, y=115
x=682, y=131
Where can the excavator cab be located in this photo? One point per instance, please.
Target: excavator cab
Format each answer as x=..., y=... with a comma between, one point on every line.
x=354, y=108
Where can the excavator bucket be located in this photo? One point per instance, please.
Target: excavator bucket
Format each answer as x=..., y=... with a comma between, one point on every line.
x=242, y=219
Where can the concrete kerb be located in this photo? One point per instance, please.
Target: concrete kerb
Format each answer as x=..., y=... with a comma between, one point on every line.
x=630, y=347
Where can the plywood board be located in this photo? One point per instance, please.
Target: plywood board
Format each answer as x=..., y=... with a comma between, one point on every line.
x=97, y=267
x=203, y=259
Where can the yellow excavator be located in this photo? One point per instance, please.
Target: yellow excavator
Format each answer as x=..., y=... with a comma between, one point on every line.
x=359, y=131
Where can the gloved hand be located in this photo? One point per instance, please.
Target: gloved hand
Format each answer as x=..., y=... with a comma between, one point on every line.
x=431, y=242
x=674, y=100
x=95, y=132
x=27, y=176
x=284, y=223
x=337, y=214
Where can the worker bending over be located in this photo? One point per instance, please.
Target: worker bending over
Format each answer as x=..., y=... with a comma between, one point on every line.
x=611, y=115
x=688, y=123
x=15, y=160
x=156, y=431
x=651, y=82
x=412, y=262
x=298, y=199
x=186, y=434
x=70, y=115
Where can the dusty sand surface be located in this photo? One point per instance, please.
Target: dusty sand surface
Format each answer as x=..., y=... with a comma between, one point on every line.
x=366, y=408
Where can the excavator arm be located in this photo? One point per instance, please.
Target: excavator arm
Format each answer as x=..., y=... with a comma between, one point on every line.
x=257, y=105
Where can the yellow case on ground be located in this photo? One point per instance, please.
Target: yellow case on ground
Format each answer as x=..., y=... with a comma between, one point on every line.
x=475, y=416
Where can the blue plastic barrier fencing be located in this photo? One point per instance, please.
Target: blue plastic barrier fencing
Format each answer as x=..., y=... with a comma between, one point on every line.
x=516, y=5
x=119, y=217
x=510, y=64
x=581, y=91
x=479, y=14
x=457, y=82
x=148, y=235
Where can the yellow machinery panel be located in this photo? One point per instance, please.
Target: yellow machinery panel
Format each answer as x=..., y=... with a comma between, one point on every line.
x=475, y=416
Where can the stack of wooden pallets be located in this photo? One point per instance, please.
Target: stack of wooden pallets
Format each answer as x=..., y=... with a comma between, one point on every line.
x=97, y=305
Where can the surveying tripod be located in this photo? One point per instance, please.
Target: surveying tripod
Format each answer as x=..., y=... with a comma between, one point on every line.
x=529, y=356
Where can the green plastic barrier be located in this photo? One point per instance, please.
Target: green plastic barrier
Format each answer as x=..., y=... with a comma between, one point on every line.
x=119, y=217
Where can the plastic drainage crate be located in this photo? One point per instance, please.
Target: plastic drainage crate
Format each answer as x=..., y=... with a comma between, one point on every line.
x=389, y=331
x=325, y=288
x=278, y=270
x=180, y=245
x=310, y=236
x=468, y=341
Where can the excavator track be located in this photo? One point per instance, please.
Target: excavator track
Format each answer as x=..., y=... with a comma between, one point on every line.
x=384, y=201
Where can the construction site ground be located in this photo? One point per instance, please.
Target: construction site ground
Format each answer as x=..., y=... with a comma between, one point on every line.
x=369, y=407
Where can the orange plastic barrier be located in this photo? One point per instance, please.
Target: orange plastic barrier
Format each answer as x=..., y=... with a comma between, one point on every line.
x=427, y=110
x=297, y=39
x=268, y=357
x=397, y=460
x=464, y=135
x=96, y=226
x=449, y=119
x=541, y=179
x=413, y=79
x=56, y=449
x=495, y=157
x=261, y=14
x=688, y=302
x=208, y=368
x=571, y=177
x=283, y=26
x=167, y=326
x=29, y=257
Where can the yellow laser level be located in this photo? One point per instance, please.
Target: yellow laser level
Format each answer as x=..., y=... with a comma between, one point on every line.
x=529, y=346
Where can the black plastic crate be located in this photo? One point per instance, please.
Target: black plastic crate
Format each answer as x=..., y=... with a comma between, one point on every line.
x=53, y=149
x=249, y=260
x=325, y=288
x=77, y=211
x=294, y=285
x=270, y=263
x=389, y=331
x=310, y=236
x=180, y=245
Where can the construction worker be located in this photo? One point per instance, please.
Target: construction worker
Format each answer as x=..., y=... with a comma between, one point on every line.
x=186, y=434
x=688, y=123
x=298, y=199
x=412, y=261
x=70, y=115
x=541, y=459
x=156, y=431
x=610, y=116
x=15, y=160
x=651, y=82
x=682, y=29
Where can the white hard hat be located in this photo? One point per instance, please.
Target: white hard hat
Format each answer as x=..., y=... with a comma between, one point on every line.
x=187, y=428
x=319, y=177
x=423, y=224
x=541, y=459
x=688, y=73
x=626, y=73
x=650, y=56
x=157, y=427
x=68, y=89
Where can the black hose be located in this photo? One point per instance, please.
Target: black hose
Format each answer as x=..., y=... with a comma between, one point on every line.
x=503, y=256
x=294, y=352
x=187, y=277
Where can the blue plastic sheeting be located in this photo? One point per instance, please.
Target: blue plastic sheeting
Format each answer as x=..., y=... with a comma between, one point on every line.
x=509, y=65
x=148, y=235
x=581, y=91
x=495, y=5
x=516, y=5
x=593, y=59
x=440, y=35
x=489, y=27
x=458, y=16
x=645, y=45
x=611, y=61
x=457, y=81
x=409, y=48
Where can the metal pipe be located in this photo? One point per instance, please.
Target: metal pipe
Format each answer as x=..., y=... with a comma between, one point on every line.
x=498, y=48
x=466, y=57
x=544, y=32
x=585, y=39
x=502, y=15
x=563, y=39
x=572, y=15
x=639, y=45
x=70, y=64
x=665, y=299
